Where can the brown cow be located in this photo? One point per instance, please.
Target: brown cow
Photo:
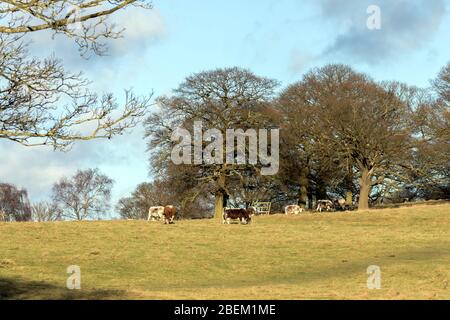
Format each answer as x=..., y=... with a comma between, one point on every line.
x=169, y=214
x=243, y=215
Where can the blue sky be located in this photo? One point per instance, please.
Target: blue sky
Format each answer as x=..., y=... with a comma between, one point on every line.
x=280, y=39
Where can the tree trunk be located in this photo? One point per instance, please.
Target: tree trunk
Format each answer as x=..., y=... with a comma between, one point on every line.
x=349, y=187
x=365, y=187
x=78, y=215
x=218, y=206
x=321, y=192
x=310, y=199
x=304, y=184
x=220, y=198
x=349, y=198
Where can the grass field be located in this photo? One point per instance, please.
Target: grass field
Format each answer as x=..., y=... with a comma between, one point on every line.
x=321, y=256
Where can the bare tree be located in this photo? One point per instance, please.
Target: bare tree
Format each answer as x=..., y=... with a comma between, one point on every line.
x=45, y=211
x=14, y=203
x=161, y=193
x=84, y=196
x=442, y=84
x=145, y=196
x=40, y=102
x=222, y=99
x=355, y=123
x=429, y=172
x=307, y=167
x=84, y=21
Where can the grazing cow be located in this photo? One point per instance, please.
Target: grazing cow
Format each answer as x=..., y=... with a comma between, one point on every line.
x=169, y=214
x=293, y=209
x=324, y=205
x=243, y=215
x=339, y=204
x=155, y=213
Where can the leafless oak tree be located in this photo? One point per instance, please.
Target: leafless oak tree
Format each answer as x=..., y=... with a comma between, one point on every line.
x=40, y=102
x=353, y=122
x=84, y=21
x=429, y=173
x=222, y=99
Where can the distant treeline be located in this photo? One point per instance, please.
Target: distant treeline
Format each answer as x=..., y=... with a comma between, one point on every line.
x=343, y=135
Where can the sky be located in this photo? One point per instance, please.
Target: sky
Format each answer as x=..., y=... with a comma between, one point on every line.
x=280, y=39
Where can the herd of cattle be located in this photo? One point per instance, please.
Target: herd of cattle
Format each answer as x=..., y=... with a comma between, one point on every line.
x=168, y=213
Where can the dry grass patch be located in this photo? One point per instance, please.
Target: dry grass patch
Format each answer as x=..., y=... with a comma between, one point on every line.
x=312, y=256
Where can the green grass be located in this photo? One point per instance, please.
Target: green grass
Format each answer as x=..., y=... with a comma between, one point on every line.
x=321, y=256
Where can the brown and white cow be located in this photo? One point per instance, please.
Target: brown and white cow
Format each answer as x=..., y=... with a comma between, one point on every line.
x=324, y=205
x=155, y=213
x=340, y=204
x=293, y=209
x=243, y=215
x=169, y=214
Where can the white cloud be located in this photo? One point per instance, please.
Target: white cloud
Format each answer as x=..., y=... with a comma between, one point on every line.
x=142, y=29
x=36, y=169
x=406, y=26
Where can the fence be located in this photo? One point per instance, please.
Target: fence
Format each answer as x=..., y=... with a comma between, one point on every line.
x=262, y=207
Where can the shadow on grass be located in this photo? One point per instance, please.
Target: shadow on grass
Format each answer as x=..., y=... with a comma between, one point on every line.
x=20, y=289
x=344, y=269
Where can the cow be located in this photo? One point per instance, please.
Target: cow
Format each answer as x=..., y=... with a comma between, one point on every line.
x=243, y=215
x=293, y=209
x=169, y=214
x=155, y=213
x=3, y=216
x=341, y=204
x=324, y=205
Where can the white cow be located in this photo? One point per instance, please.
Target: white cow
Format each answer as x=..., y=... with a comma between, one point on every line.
x=3, y=216
x=293, y=209
x=155, y=214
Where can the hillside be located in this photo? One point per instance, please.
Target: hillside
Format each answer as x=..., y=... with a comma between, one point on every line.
x=321, y=256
